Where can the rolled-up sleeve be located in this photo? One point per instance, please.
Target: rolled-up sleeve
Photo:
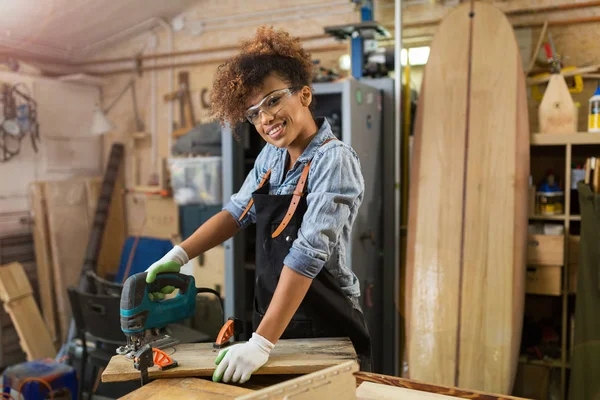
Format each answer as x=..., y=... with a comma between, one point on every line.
x=239, y=201
x=335, y=188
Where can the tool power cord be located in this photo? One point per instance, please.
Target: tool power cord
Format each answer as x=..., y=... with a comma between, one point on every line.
x=214, y=292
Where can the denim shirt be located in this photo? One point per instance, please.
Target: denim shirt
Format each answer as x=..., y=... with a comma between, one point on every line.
x=335, y=192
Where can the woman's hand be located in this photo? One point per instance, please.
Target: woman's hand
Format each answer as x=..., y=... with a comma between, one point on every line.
x=239, y=362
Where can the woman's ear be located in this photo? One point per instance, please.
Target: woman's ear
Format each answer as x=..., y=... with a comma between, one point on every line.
x=306, y=96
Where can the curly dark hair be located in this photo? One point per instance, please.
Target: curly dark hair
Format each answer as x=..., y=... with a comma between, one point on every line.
x=268, y=52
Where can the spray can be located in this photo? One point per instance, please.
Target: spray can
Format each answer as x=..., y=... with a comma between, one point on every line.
x=594, y=111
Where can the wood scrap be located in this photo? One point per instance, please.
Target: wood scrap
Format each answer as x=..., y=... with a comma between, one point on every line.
x=69, y=227
x=17, y=296
x=297, y=356
x=335, y=382
x=186, y=388
x=43, y=256
x=376, y=391
x=428, y=387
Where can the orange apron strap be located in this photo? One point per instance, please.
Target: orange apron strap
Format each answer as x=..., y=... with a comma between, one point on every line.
x=298, y=193
x=261, y=184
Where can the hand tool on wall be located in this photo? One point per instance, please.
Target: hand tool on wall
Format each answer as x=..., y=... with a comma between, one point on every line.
x=186, y=110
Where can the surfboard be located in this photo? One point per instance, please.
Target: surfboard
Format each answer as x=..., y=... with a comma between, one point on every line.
x=467, y=228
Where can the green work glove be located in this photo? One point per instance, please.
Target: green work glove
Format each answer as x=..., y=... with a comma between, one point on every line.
x=171, y=262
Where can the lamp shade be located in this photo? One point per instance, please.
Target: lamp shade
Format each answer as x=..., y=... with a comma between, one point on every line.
x=100, y=123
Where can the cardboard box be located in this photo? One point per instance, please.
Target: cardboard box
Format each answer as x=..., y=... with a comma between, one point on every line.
x=162, y=218
x=544, y=279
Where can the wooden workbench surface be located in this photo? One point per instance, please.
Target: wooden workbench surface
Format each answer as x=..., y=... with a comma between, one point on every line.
x=298, y=356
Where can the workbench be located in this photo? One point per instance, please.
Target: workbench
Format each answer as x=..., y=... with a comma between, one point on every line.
x=195, y=388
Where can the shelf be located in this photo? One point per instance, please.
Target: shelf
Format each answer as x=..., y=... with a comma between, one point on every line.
x=575, y=217
x=544, y=363
x=552, y=139
x=547, y=217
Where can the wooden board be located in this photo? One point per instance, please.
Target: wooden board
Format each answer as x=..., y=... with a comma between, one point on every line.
x=186, y=389
x=43, y=256
x=16, y=294
x=337, y=382
x=468, y=203
x=376, y=391
x=299, y=356
x=428, y=387
x=69, y=226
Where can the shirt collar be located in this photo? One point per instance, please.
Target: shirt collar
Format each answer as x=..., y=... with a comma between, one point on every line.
x=322, y=135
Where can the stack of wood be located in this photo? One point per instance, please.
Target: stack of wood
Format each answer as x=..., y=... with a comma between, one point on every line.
x=63, y=214
x=16, y=245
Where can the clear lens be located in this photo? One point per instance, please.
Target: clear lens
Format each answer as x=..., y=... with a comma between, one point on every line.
x=271, y=105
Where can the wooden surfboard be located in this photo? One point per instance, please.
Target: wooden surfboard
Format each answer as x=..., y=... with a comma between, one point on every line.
x=467, y=228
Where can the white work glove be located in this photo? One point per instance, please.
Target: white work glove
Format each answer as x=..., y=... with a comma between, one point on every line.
x=171, y=262
x=239, y=362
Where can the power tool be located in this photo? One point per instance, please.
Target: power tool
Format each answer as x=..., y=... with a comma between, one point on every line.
x=142, y=318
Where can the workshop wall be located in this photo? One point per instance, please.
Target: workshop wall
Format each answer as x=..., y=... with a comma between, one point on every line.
x=66, y=148
x=222, y=33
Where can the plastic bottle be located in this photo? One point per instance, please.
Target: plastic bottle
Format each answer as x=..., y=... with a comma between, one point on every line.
x=594, y=111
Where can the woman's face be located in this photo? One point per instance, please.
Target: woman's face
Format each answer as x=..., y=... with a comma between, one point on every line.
x=279, y=114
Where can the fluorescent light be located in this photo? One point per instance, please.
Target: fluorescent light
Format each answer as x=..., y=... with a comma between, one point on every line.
x=416, y=55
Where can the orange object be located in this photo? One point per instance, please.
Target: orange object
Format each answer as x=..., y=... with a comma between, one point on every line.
x=163, y=360
x=225, y=334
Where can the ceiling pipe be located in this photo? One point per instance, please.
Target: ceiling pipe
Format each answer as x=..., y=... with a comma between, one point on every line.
x=179, y=53
x=198, y=62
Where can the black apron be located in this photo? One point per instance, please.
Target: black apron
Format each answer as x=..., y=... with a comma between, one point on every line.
x=325, y=310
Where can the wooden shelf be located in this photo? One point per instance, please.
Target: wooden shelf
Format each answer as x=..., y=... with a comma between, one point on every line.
x=547, y=217
x=575, y=218
x=544, y=363
x=551, y=139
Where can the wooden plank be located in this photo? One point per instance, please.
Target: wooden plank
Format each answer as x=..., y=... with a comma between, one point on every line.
x=16, y=295
x=337, y=382
x=43, y=256
x=554, y=139
x=186, y=389
x=375, y=391
x=437, y=173
x=299, y=356
x=428, y=387
x=69, y=227
x=468, y=223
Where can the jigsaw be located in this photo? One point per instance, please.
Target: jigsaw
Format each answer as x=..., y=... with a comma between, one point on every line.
x=142, y=319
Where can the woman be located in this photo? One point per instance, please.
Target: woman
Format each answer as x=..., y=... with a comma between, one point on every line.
x=303, y=194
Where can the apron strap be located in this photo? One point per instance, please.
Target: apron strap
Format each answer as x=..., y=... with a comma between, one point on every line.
x=298, y=193
x=261, y=184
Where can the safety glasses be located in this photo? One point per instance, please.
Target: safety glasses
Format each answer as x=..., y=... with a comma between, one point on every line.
x=271, y=104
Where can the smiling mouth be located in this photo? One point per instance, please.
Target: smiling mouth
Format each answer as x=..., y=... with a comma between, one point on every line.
x=276, y=129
